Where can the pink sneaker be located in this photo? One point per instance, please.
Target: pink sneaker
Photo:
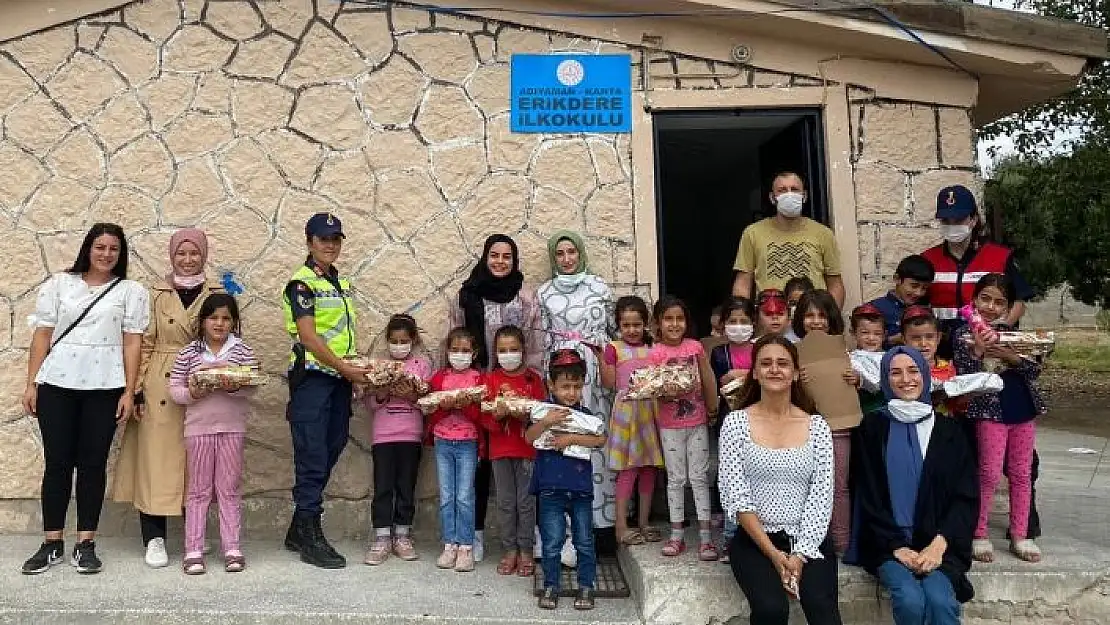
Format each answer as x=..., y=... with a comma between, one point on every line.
x=378, y=551
x=674, y=547
x=404, y=549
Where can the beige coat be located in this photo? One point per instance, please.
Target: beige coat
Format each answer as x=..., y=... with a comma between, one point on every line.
x=150, y=471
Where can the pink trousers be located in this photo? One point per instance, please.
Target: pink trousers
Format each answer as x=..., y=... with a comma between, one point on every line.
x=626, y=481
x=1014, y=444
x=215, y=466
x=840, y=525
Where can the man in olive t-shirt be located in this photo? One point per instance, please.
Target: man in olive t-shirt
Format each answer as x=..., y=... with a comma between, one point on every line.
x=776, y=249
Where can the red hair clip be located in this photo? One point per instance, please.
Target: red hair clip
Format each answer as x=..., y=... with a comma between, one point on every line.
x=564, y=357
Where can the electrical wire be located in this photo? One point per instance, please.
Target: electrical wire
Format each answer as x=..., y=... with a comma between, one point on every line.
x=864, y=5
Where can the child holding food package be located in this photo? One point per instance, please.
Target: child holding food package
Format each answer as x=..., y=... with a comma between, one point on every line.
x=213, y=377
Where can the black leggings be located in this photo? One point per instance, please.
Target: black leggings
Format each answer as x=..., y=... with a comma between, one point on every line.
x=396, y=468
x=760, y=583
x=77, y=429
x=482, y=479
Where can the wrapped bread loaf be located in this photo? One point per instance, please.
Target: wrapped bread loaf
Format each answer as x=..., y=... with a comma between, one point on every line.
x=578, y=423
x=1028, y=344
x=658, y=381
x=731, y=393
x=462, y=396
x=217, y=376
x=512, y=403
x=390, y=374
x=868, y=365
x=971, y=384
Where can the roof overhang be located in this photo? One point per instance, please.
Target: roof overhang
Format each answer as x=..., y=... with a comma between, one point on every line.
x=1002, y=61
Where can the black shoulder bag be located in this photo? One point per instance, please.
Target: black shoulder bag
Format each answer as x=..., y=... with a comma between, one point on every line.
x=83, y=314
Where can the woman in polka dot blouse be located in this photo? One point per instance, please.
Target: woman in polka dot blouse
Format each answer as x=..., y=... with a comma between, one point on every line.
x=776, y=481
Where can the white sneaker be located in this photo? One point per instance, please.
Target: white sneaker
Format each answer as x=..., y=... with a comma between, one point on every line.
x=569, y=557
x=156, y=556
x=479, y=545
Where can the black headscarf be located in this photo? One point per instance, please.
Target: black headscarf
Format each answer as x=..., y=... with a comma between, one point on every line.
x=483, y=285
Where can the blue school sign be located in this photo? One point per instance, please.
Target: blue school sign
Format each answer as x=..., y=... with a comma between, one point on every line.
x=571, y=93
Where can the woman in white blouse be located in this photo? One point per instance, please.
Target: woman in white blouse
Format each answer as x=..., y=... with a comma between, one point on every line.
x=776, y=480
x=82, y=370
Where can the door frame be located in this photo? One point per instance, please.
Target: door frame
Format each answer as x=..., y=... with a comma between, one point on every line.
x=832, y=101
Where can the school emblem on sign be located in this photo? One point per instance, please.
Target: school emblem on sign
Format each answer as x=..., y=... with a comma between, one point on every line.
x=570, y=73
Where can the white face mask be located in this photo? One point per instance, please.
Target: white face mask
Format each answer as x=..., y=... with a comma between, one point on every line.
x=909, y=411
x=510, y=361
x=400, y=350
x=789, y=204
x=955, y=233
x=739, y=332
x=460, y=361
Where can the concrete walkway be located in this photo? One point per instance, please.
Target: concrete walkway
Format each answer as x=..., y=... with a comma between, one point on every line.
x=1072, y=585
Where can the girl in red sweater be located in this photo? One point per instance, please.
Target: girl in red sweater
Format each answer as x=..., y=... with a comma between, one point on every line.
x=511, y=453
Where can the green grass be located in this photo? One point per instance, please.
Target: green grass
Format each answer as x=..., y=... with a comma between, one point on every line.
x=1087, y=352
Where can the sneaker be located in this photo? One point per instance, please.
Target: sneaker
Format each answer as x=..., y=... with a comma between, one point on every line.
x=479, y=545
x=464, y=563
x=404, y=549
x=448, y=558
x=84, y=558
x=378, y=551
x=51, y=552
x=156, y=556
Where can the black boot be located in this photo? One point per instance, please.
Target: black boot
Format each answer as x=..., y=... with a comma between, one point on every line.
x=316, y=550
x=300, y=528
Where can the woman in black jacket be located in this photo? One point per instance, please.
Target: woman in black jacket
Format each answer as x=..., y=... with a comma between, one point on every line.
x=918, y=493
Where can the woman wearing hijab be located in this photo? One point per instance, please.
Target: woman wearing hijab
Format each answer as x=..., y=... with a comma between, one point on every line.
x=577, y=311
x=494, y=296
x=918, y=491
x=150, y=472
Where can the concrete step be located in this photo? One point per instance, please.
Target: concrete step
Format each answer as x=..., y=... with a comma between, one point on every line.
x=276, y=589
x=1072, y=586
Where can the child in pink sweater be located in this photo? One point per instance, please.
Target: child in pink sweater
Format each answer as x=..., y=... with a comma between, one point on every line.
x=398, y=427
x=215, y=426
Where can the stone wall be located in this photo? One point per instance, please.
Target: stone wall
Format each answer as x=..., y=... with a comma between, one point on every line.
x=245, y=117
x=903, y=154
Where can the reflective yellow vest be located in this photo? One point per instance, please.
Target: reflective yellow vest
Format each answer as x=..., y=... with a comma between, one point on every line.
x=335, y=317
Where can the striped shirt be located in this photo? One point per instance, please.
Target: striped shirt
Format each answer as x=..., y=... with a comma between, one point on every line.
x=219, y=411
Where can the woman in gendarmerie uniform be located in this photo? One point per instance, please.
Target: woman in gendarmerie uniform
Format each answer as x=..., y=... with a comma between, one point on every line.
x=150, y=472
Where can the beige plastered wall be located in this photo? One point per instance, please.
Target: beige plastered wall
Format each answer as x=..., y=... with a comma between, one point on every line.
x=249, y=117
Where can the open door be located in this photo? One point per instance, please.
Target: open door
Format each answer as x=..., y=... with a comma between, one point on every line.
x=713, y=172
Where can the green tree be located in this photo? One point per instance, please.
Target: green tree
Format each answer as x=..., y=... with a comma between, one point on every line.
x=1084, y=111
x=1055, y=213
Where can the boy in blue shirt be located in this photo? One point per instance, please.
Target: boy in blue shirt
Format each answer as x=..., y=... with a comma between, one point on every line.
x=912, y=278
x=564, y=486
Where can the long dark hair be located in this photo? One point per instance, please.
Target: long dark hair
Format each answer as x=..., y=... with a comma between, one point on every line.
x=84, y=261
x=751, y=392
x=668, y=302
x=210, y=305
x=636, y=304
x=1000, y=281
x=821, y=300
x=407, y=323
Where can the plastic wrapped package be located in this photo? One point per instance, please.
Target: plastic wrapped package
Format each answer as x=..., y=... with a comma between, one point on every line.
x=869, y=367
x=515, y=405
x=579, y=423
x=658, y=381
x=216, y=376
x=464, y=396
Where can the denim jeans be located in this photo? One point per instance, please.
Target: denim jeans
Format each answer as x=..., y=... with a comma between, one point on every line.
x=554, y=506
x=456, y=462
x=919, y=600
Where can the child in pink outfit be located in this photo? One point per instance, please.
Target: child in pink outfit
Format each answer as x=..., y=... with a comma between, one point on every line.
x=215, y=425
x=397, y=431
x=683, y=427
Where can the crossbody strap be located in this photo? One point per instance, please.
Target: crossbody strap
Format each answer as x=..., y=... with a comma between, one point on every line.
x=84, y=313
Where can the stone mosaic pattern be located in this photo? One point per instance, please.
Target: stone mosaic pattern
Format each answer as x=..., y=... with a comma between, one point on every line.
x=244, y=117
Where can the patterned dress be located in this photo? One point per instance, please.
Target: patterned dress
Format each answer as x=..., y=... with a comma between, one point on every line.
x=633, y=440
x=575, y=310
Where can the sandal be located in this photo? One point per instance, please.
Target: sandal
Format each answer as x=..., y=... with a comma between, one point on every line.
x=1026, y=550
x=652, y=534
x=674, y=547
x=508, y=563
x=549, y=600
x=982, y=550
x=525, y=567
x=234, y=564
x=707, y=552
x=194, y=566
x=585, y=599
x=632, y=537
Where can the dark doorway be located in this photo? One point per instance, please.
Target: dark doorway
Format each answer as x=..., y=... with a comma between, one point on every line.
x=713, y=171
